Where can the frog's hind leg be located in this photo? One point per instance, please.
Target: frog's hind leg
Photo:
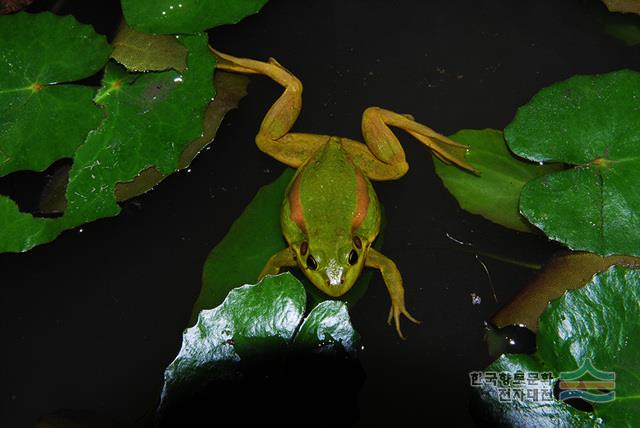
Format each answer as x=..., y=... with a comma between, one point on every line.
x=274, y=138
x=385, y=158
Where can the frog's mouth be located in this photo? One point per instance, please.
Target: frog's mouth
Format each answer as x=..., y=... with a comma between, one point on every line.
x=335, y=274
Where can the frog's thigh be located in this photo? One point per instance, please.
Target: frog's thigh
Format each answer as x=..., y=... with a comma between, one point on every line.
x=370, y=165
x=385, y=146
x=283, y=258
x=292, y=149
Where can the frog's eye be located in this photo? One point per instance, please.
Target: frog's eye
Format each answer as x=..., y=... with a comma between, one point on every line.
x=311, y=263
x=357, y=242
x=353, y=257
x=303, y=248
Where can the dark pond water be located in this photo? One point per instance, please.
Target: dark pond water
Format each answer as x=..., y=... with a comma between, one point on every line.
x=91, y=320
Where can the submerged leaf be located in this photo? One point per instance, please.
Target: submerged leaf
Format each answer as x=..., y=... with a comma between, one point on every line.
x=252, y=320
x=625, y=6
x=147, y=52
x=594, y=331
x=592, y=123
x=495, y=193
x=186, y=16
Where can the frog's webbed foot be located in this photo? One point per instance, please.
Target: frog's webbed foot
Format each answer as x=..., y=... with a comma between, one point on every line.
x=383, y=157
x=395, y=311
x=275, y=137
x=393, y=281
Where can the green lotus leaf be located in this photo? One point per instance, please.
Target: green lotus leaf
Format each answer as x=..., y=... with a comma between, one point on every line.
x=186, y=16
x=42, y=119
x=150, y=120
x=260, y=319
x=495, y=193
x=593, y=124
x=588, y=334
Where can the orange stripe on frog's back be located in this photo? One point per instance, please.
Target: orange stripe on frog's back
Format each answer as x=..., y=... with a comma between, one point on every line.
x=295, y=205
x=362, y=200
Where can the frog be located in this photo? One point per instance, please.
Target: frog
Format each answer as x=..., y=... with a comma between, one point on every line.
x=330, y=214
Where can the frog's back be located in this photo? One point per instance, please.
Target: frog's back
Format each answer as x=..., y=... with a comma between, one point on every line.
x=330, y=197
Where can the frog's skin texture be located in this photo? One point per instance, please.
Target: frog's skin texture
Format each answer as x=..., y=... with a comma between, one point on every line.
x=330, y=213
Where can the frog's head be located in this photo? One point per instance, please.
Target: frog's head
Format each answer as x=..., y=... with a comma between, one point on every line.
x=333, y=267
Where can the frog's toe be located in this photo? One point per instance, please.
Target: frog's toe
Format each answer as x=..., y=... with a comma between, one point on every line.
x=394, y=314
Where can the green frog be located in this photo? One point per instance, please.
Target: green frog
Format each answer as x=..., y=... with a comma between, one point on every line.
x=330, y=214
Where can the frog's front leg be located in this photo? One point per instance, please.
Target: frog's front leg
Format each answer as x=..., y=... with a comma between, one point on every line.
x=281, y=259
x=383, y=157
x=393, y=281
x=274, y=138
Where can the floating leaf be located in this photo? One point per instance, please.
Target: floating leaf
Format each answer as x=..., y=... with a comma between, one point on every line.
x=592, y=123
x=252, y=239
x=151, y=119
x=563, y=272
x=147, y=52
x=254, y=320
x=186, y=16
x=230, y=88
x=42, y=119
x=596, y=326
x=496, y=192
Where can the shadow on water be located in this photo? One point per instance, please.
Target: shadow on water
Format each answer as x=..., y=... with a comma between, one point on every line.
x=309, y=389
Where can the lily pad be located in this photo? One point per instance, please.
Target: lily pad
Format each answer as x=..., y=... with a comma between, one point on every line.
x=252, y=239
x=42, y=119
x=186, y=16
x=150, y=120
x=593, y=124
x=254, y=320
x=565, y=271
x=495, y=193
x=230, y=89
x=594, y=328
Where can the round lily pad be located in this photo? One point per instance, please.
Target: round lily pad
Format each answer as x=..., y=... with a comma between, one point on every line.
x=588, y=335
x=41, y=119
x=495, y=193
x=186, y=16
x=591, y=123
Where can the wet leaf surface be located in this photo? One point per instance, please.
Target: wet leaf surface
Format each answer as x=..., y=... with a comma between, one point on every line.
x=597, y=322
x=593, y=124
x=565, y=271
x=255, y=320
x=496, y=192
x=147, y=52
x=230, y=89
x=150, y=120
x=42, y=119
x=186, y=16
